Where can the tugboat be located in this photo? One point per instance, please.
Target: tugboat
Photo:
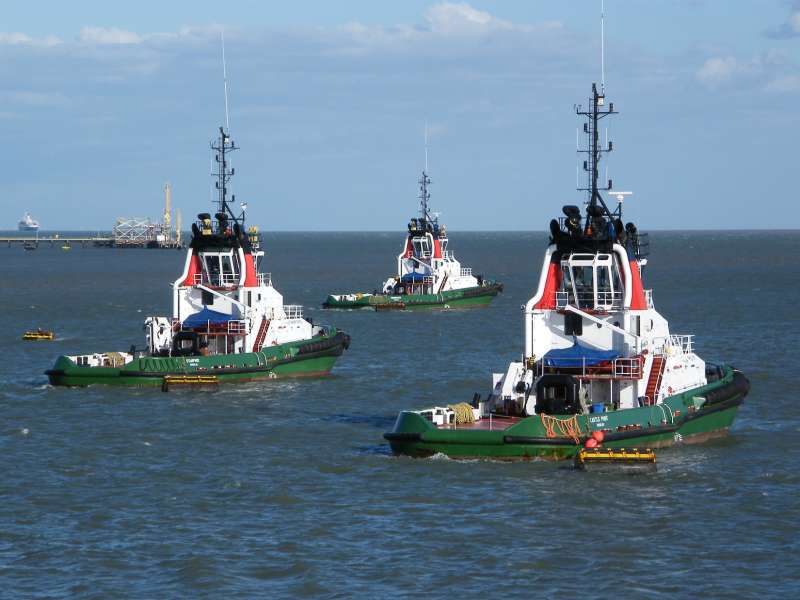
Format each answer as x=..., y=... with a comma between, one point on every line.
x=599, y=362
x=38, y=334
x=228, y=324
x=428, y=274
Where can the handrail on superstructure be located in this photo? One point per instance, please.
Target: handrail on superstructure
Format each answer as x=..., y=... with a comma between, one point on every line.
x=602, y=323
x=244, y=307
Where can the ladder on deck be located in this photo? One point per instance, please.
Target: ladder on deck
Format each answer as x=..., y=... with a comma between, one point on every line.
x=654, y=381
x=262, y=333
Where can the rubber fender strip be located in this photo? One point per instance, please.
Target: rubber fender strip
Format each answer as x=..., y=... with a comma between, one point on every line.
x=402, y=436
x=538, y=441
x=615, y=436
x=738, y=386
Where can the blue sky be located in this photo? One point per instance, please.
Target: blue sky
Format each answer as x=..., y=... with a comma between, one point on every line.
x=101, y=103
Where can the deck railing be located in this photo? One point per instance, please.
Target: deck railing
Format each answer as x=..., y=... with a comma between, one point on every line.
x=466, y=271
x=628, y=368
x=605, y=300
x=673, y=344
x=265, y=279
x=648, y=298
x=216, y=279
x=293, y=311
x=238, y=327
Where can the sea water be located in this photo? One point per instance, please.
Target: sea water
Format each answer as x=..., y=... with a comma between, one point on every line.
x=287, y=489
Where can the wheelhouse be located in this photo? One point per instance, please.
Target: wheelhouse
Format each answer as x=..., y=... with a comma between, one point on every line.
x=590, y=282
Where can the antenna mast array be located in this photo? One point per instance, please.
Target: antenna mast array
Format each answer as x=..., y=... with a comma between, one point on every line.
x=222, y=146
x=594, y=150
x=424, y=182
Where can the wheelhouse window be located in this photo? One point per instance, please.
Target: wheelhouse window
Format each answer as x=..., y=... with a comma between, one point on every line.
x=422, y=247
x=590, y=282
x=220, y=268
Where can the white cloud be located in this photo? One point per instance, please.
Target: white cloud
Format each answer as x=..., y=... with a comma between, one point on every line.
x=718, y=70
x=110, y=35
x=789, y=28
x=16, y=38
x=459, y=19
x=770, y=71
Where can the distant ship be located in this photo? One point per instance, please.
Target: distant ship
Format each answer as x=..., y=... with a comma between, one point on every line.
x=28, y=223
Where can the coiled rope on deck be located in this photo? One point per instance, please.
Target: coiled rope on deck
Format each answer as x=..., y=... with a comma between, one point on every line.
x=463, y=412
x=557, y=427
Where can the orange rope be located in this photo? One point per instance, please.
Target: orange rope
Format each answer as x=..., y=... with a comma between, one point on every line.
x=568, y=427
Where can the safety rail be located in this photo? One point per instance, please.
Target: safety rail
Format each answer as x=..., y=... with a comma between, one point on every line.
x=466, y=271
x=427, y=280
x=237, y=327
x=265, y=279
x=448, y=255
x=216, y=279
x=293, y=311
x=618, y=368
x=425, y=254
x=648, y=298
x=605, y=300
x=628, y=368
x=673, y=344
x=226, y=279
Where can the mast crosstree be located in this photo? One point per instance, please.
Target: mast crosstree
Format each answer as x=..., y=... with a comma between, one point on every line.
x=595, y=151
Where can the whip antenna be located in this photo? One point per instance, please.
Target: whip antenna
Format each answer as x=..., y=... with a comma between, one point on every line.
x=602, y=47
x=426, y=146
x=225, y=80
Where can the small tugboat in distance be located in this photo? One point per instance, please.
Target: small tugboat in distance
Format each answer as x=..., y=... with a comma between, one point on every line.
x=600, y=362
x=228, y=324
x=39, y=334
x=428, y=274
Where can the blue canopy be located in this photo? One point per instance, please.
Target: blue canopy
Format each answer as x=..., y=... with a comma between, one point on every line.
x=412, y=277
x=577, y=356
x=207, y=317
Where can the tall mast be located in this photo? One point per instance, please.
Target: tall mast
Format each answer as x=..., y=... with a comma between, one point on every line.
x=595, y=151
x=424, y=196
x=424, y=182
x=221, y=147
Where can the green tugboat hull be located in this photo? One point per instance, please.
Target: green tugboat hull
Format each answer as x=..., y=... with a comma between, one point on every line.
x=306, y=358
x=464, y=298
x=693, y=416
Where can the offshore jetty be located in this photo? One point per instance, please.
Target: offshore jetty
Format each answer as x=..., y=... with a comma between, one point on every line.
x=228, y=323
x=428, y=274
x=599, y=364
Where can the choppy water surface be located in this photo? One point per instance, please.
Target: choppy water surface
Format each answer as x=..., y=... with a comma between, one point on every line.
x=287, y=489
